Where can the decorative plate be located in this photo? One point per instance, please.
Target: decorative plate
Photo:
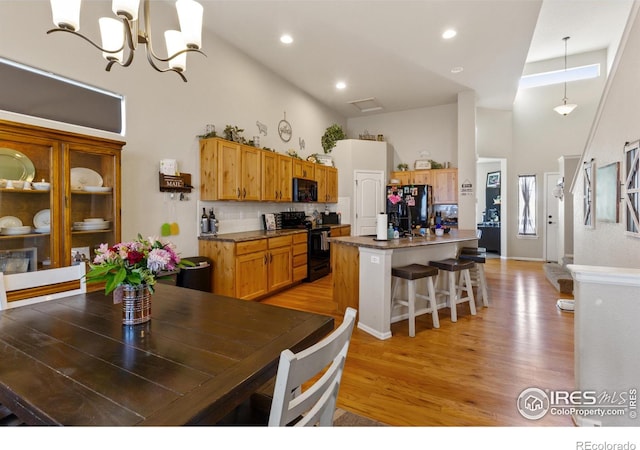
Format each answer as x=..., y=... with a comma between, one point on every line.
x=11, y=231
x=97, y=188
x=42, y=218
x=81, y=177
x=10, y=221
x=15, y=165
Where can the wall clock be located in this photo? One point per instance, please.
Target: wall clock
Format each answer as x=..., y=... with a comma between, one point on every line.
x=284, y=129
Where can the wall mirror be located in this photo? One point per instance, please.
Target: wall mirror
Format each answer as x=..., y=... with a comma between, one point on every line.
x=608, y=193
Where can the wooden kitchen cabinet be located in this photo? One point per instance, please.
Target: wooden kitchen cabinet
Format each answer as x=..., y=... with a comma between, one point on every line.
x=251, y=269
x=276, y=177
x=280, y=263
x=300, y=247
x=443, y=181
x=327, y=178
x=254, y=268
x=229, y=171
x=84, y=176
x=445, y=186
x=303, y=169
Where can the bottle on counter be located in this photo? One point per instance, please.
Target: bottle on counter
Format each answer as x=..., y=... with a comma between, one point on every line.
x=213, y=222
x=204, y=222
x=390, y=232
x=396, y=233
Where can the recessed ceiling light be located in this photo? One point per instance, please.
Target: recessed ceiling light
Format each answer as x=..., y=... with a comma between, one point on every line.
x=286, y=39
x=457, y=69
x=448, y=34
x=341, y=85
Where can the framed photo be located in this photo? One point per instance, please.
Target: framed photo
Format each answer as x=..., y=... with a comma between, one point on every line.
x=19, y=260
x=493, y=179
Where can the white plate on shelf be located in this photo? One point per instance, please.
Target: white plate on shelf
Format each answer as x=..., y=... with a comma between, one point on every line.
x=10, y=221
x=81, y=177
x=91, y=226
x=42, y=230
x=42, y=218
x=96, y=188
x=94, y=220
x=13, y=231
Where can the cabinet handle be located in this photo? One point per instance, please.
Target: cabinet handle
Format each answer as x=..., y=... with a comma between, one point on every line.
x=270, y=258
x=265, y=258
x=244, y=192
x=238, y=192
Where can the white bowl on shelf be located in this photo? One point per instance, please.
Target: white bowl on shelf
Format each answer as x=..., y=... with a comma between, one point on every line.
x=94, y=220
x=17, y=184
x=41, y=185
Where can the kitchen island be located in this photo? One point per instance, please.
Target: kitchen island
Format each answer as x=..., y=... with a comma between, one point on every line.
x=362, y=271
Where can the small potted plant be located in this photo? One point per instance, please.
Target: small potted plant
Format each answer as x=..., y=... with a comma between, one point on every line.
x=403, y=167
x=333, y=134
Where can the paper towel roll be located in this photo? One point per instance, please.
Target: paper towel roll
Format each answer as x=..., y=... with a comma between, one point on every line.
x=381, y=227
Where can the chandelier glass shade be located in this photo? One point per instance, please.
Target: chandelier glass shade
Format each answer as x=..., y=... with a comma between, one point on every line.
x=120, y=36
x=565, y=108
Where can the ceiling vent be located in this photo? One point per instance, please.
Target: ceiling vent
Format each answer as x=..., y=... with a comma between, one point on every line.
x=366, y=104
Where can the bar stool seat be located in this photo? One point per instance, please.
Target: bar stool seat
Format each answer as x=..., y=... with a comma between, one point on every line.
x=412, y=273
x=451, y=267
x=480, y=281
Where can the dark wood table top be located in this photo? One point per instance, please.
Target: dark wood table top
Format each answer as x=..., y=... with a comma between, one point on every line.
x=72, y=362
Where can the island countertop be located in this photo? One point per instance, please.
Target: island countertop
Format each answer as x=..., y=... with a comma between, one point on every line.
x=362, y=272
x=399, y=243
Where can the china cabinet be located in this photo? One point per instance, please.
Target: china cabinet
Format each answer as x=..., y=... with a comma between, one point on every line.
x=59, y=197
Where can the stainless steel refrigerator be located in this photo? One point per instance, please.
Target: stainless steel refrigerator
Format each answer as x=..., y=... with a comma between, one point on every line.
x=409, y=206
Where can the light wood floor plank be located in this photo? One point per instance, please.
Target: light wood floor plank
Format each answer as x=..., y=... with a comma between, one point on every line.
x=468, y=373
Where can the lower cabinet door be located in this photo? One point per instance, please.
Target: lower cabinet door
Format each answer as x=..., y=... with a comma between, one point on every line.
x=251, y=275
x=280, y=267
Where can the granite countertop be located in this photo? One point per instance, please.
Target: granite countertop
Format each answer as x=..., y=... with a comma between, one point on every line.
x=370, y=242
x=243, y=236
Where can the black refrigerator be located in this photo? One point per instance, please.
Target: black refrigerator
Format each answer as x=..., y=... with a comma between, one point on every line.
x=408, y=206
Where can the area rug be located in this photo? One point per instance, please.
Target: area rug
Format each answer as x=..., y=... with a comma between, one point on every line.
x=343, y=418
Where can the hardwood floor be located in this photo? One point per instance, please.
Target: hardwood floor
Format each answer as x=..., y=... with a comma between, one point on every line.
x=467, y=373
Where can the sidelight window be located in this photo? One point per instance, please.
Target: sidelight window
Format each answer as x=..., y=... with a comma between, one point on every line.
x=527, y=205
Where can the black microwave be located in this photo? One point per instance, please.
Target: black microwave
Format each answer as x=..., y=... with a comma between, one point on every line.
x=305, y=190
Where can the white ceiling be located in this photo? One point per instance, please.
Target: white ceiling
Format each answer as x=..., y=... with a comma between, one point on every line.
x=392, y=50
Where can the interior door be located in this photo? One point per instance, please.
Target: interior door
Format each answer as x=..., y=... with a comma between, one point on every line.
x=369, y=200
x=551, y=217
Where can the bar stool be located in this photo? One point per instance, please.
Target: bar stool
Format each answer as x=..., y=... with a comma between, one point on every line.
x=479, y=258
x=451, y=267
x=412, y=273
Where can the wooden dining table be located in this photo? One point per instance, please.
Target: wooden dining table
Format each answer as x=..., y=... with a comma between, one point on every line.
x=71, y=361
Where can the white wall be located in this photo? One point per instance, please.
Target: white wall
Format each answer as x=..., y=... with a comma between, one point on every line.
x=164, y=115
x=606, y=244
x=424, y=133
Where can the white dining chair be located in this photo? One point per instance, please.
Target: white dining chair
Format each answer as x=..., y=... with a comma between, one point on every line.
x=68, y=280
x=317, y=403
x=3, y=293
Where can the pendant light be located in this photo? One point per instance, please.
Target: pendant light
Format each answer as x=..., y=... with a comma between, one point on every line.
x=565, y=108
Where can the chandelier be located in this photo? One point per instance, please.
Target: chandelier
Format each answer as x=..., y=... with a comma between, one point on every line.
x=122, y=35
x=565, y=108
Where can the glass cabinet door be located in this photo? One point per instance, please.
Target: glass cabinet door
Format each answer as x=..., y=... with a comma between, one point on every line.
x=93, y=215
x=28, y=213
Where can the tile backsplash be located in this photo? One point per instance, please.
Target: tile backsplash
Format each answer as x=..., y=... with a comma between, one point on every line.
x=235, y=217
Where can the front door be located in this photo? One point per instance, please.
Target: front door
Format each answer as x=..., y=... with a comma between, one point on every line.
x=551, y=217
x=369, y=200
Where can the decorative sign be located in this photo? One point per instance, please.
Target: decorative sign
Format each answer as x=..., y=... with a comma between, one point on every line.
x=466, y=188
x=262, y=128
x=175, y=183
x=284, y=129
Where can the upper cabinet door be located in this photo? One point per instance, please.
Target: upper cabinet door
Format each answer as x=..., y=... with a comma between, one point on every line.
x=92, y=197
x=29, y=213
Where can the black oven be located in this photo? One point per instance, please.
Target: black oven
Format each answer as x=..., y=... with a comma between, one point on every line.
x=319, y=259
